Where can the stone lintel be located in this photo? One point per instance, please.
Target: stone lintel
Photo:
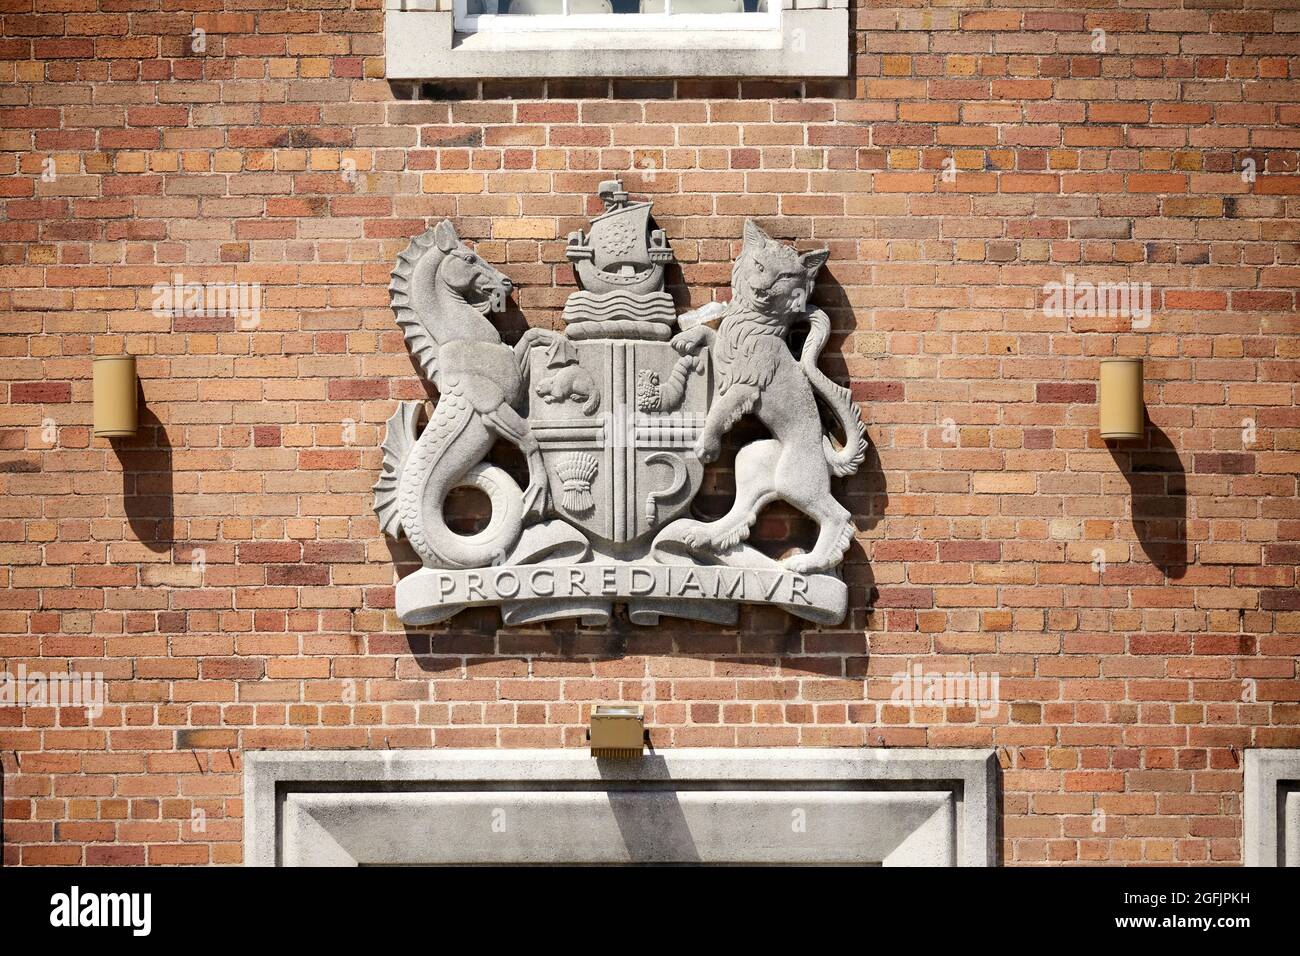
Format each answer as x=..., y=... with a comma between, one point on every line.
x=422, y=45
x=813, y=805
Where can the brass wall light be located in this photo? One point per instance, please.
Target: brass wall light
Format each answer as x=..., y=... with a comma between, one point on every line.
x=1122, y=415
x=617, y=731
x=116, y=415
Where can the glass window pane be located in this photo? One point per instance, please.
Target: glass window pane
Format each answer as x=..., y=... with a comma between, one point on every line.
x=695, y=6
x=554, y=7
x=588, y=7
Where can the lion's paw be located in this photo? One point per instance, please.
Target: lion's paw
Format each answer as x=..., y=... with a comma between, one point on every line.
x=697, y=537
x=803, y=563
x=690, y=341
x=707, y=448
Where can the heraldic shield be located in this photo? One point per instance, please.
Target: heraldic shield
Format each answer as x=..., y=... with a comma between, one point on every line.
x=617, y=417
x=621, y=464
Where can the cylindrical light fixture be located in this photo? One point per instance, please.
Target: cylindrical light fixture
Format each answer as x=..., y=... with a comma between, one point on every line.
x=1122, y=415
x=115, y=396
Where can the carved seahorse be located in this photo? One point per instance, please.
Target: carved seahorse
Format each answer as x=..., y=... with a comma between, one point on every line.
x=441, y=292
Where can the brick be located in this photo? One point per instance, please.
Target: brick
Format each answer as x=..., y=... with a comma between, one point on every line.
x=984, y=500
x=39, y=393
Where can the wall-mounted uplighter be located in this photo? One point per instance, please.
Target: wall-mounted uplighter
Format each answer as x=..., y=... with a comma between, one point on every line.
x=617, y=731
x=116, y=415
x=1122, y=415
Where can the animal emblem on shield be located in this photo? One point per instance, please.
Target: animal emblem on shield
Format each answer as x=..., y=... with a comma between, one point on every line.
x=617, y=418
x=621, y=464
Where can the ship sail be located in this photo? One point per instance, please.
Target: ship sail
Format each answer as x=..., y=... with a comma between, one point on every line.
x=618, y=240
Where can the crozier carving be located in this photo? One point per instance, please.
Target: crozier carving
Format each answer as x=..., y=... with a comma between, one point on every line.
x=625, y=409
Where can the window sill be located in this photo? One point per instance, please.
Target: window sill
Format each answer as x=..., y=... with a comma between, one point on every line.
x=420, y=44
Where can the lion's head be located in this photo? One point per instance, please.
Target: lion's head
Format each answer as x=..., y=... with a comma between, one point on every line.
x=771, y=278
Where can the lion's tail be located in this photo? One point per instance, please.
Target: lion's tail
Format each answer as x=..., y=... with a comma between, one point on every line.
x=847, y=459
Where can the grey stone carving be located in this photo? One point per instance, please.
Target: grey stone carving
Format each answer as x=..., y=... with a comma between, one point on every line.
x=624, y=410
x=567, y=380
x=758, y=373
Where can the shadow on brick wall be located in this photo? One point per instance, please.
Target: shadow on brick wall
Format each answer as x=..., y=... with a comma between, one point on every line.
x=717, y=88
x=1158, y=492
x=147, y=482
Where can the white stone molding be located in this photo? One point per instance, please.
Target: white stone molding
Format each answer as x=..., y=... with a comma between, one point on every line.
x=1271, y=808
x=421, y=44
x=903, y=807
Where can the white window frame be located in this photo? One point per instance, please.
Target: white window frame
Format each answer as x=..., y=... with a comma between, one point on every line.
x=769, y=19
x=435, y=39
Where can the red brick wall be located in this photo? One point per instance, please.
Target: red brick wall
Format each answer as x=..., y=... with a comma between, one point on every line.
x=1127, y=695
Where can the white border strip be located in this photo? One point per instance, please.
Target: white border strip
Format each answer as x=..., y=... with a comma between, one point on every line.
x=268, y=773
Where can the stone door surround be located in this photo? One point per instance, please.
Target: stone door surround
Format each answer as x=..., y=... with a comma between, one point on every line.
x=1271, y=805
x=780, y=805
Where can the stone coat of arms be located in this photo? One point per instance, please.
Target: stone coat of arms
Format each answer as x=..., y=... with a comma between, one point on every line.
x=617, y=418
